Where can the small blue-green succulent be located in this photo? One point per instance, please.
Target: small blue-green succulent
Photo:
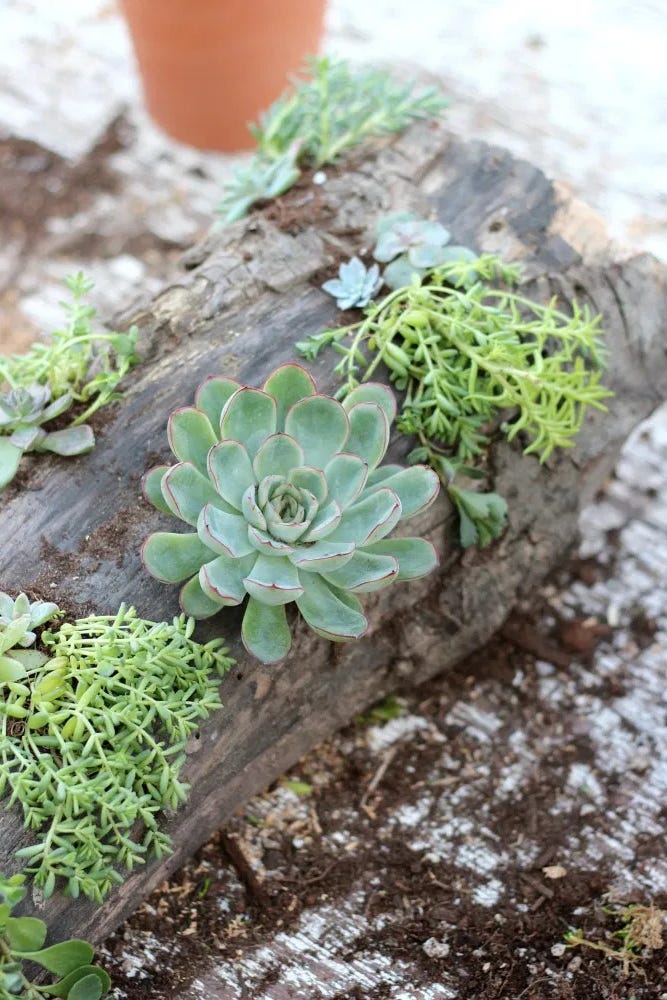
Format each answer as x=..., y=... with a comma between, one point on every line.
x=289, y=503
x=18, y=618
x=413, y=245
x=355, y=285
x=22, y=412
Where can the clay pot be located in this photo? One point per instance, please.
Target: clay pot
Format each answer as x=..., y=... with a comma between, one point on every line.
x=211, y=66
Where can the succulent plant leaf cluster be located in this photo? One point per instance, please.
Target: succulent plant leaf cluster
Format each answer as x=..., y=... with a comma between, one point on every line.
x=22, y=939
x=92, y=742
x=77, y=365
x=18, y=618
x=410, y=246
x=355, y=285
x=22, y=413
x=289, y=503
x=332, y=109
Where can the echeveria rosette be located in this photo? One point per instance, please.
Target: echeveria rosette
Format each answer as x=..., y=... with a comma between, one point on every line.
x=355, y=285
x=289, y=503
x=413, y=245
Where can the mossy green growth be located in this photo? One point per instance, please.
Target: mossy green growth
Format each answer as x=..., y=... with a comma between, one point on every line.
x=92, y=742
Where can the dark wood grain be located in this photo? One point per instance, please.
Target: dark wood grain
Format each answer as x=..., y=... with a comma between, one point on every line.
x=74, y=531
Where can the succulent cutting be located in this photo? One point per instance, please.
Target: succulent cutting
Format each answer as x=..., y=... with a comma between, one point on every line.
x=18, y=618
x=410, y=246
x=355, y=285
x=289, y=503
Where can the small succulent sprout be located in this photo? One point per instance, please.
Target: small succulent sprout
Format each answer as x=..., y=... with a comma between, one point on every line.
x=289, y=503
x=355, y=285
x=260, y=180
x=22, y=412
x=18, y=618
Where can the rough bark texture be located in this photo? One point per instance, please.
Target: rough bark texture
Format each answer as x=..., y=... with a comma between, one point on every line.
x=78, y=525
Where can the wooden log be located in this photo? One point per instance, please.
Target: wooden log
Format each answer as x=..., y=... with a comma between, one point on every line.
x=74, y=529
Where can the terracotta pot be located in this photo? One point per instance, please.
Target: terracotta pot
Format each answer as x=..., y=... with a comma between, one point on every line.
x=211, y=66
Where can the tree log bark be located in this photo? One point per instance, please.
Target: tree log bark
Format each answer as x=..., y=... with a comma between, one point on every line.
x=75, y=528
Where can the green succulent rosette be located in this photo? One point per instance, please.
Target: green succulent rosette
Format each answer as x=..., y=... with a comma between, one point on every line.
x=288, y=500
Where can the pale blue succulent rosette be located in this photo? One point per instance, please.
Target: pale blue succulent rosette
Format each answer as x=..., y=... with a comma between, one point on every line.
x=289, y=503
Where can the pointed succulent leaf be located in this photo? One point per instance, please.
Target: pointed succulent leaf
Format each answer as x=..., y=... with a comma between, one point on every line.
x=173, y=558
x=151, y=485
x=369, y=433
x=321, y=427
x=226, y=534
x=186, y=492
x=416, y=488
x=213, y=395
x=58, y=406
x=273, y=581
x=373, y=392
x=369, y=519
x=230, y=468
x=71, y=441
x=11, y=634
x=277, y=456
x=289, y=384
x=346, y=477
x=331, y=612
x=249, y=417
x=191, y=436
x=365, y=572
x=265, y=543
x=265, y=632
x=222, y=579
x=194, y=602
x=10, y=457
x=325, y=522
x=416, y=557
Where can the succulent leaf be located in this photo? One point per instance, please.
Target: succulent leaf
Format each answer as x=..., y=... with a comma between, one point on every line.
x=346, y=477
x=171, y=557
x=331, y=612
x=289, y=384
x=277, y=456
x=265, y=631
x=186, y=492
x=365, y=572
x=320, y=425
x=226, y=534
x=416, y=556
x=213, y=395
x=151, y=485
x=373, y=392
x=221, y=579
x=416, y=488
x=231, y=470
x=10, y=457
x=249, y=417
x=284, y=506
x=369, y=519
x=273, y=581
x=70, y=441
x=369, y=433
x=191, y=436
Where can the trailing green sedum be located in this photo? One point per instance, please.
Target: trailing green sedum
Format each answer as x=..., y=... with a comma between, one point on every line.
x=289, y=503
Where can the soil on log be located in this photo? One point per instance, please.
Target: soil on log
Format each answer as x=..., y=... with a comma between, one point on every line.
x=74, y=529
